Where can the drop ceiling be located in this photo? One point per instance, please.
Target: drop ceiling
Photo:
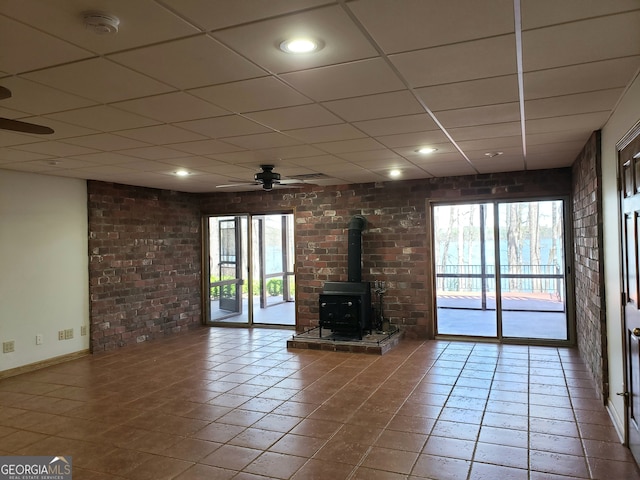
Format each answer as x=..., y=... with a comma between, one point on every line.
x=201, y=85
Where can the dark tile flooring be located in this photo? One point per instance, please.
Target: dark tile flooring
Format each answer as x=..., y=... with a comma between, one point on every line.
x=228, y=403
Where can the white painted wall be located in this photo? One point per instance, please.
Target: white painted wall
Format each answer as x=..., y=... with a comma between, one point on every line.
x=624, y=117
x=44, y=279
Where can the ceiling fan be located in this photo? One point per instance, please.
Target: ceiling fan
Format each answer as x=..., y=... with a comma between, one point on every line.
x=17, y=125
x=267, y=178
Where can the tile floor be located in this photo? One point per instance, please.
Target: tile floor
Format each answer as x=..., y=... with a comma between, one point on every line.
x=224, y=403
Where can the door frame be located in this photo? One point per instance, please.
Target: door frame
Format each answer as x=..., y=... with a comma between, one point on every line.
x=569, y=273
x=625, y=141
x=205, y=269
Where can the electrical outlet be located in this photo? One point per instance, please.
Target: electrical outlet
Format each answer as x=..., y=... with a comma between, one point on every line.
x=83, y=330
x=8, y=347
x=68, y=334
x=61, y=335
x=38, y=339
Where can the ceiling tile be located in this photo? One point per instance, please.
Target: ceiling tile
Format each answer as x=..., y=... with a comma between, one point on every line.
x=141, y=22
x=414, y=26
x=317, y=162
x=262, y=140
x=490, y=57
x=189, y=63
x=212, y=15
x=330, y=133
x=540, y=13
x=378, y=155
x=472, y=93
x=43, y=50
x=9, y=155
x=161, y=134
x=502, y=164
x=153, y=153
x=491, y=144
x=260, y=41
x=102, y=117
x=345, y=146
x=465, y=117
x=416, y=139
x=106, y=158
x=172, y=107
x=105, y=141
x=98, y=79
x=449, y=168
x=353, y=79
x=592, y=121
x=55, y=148
x=204, y=147
x=9, y=138
x=368, y=107
x=508, y=129
x=570, y=44
x=251, y=95
x=593, y=76
x=301, y=116
x=228, y=126
x=290, y=151
x=405, y=124
x=598, y=101
x=39, y=99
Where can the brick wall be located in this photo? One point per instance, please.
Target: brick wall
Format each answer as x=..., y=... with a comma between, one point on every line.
x=589, y=274
x=145, y=251
x=395, y=243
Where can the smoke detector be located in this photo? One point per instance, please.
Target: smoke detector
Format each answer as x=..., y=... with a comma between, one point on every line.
x=101, y=23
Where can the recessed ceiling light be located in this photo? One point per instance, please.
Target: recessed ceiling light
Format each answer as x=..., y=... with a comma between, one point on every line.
x=493, y=154
x=426, y=150
x=395, y=173
x=301, y=45
x=182, y=173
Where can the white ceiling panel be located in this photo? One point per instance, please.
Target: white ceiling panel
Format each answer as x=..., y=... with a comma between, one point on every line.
x=405, y=124
x=541, y=13
x=369, y=107
x=490, y=57
x=172, y=107
x=598, y=101
x=204, y=85
x=212, y=15
x=289, y=118
x=472, y=93
x=189, y=63
x=252, y=95
x=401, y=27
x=573, y=43
x=353, y=79
x=99, y=80
x=103, y=118
x=260, y=41
x=141, y=21
x=220, y=127
x=44, y=50
x=593, y=76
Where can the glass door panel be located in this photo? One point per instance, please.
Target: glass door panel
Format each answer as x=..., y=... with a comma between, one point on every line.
x=532, y=266
x=273, y=256
x=465, y=270
x=228, y=272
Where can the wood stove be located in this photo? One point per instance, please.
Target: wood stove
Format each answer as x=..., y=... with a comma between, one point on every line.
x=345, y=307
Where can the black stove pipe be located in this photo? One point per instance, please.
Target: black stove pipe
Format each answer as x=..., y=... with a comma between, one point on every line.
x=354, y=260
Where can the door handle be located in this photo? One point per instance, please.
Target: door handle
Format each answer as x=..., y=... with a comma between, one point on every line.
x=636, y=332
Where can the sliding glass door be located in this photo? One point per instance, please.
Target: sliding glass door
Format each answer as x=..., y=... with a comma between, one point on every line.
x=500, y=270
x=250, y=269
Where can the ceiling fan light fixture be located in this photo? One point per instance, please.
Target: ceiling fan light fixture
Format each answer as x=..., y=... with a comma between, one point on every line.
x=101, y=23
x=299, y=45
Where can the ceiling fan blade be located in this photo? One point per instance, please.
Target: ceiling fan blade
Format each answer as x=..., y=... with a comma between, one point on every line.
x=247, y=184
x=24, y=127
x=4, y=93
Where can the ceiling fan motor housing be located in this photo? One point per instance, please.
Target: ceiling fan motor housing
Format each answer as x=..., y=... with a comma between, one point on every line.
x=267, y=177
